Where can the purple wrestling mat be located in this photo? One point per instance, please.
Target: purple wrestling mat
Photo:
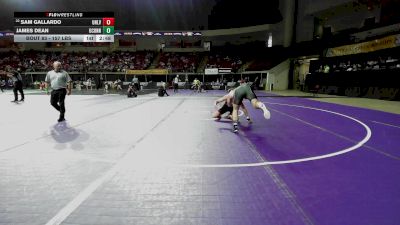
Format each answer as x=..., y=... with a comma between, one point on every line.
x=152, y=160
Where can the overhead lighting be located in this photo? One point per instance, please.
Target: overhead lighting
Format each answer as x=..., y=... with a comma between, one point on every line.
x=269, y=44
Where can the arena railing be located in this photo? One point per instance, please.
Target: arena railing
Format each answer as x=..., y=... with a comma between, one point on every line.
x=210, y=81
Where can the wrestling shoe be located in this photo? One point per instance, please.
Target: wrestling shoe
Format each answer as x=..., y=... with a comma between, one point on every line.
x=267, y=114
x=235, y=128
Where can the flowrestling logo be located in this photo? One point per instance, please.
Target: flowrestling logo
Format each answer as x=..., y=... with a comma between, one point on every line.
x=64, y=15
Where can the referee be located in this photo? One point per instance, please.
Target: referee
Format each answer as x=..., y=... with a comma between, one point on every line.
x=60, y=83
x=17, y=82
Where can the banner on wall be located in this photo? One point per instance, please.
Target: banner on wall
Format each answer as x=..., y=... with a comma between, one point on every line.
x=148, y=72
x=159, y=33
x=211, y=71
x=215, y=71
x=369, y=46
x=224, y=70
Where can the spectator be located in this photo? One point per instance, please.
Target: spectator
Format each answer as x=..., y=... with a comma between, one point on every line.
x=162, y=90
x=118, y=84
x=135, y=82
x=131, y=91
x=99, y=81
x=106, y=87
x=196, y=85
x=79, y=85
x=176, y=83
x=225, y=83
x=2, y=85
x=89, y=84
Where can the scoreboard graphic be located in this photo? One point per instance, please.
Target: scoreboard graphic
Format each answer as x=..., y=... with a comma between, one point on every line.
x=64, y=26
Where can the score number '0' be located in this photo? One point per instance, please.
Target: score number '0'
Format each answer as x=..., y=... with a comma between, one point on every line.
x=108, y=21
x=108, y=25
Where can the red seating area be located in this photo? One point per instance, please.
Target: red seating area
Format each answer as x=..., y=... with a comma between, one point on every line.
x=77, y=62
x=120, y=61
x=179, y=62
x=9, y=58
x=224, y=61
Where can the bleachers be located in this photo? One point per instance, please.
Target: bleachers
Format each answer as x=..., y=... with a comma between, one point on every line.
x=35, y=61
x=361, y=75
x=224, y=61
x=120, y=61
x=179, y=62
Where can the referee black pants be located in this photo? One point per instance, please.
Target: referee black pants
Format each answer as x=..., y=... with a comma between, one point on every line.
x=137, y=86
x=57, y=100
x=18, y=88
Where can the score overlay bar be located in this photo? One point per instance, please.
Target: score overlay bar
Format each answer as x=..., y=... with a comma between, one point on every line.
x=63, y=38
x=34, y=22
x=64, y=26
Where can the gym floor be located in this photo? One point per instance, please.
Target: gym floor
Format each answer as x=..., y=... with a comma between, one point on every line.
x=152, y=160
